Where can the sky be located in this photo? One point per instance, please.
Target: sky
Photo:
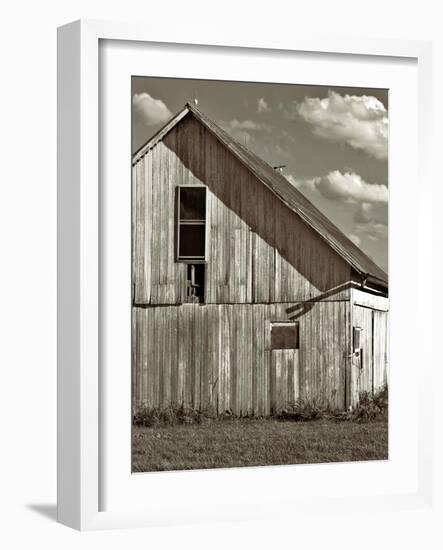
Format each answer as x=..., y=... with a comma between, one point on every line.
x=333, y=141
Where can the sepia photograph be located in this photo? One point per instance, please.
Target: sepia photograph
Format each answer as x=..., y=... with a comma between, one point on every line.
x=260, y=309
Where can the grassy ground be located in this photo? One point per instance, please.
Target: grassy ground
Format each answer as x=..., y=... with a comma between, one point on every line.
x=248, y=442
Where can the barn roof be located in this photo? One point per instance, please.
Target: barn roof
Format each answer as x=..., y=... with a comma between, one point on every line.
x=285, y=191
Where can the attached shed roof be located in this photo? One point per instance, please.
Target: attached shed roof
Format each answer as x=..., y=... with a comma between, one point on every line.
x=285, y=191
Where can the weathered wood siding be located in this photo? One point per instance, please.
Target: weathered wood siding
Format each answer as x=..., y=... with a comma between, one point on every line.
x=284, y=378
x=370, y=367
x=381, y=352
x=259, y=251
x=219, y=356
x=367, y=299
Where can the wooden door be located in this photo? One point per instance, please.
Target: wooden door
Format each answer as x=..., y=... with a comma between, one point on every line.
x=362, y=360
x=370, y=366
x=380, y=355
x=284, y=380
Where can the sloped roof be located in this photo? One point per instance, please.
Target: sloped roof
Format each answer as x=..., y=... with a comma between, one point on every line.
x=284, y=190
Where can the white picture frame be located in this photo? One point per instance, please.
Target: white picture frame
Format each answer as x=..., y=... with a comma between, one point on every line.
x=80, y=444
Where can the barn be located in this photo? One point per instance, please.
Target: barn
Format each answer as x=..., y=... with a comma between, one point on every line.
x=245, y=297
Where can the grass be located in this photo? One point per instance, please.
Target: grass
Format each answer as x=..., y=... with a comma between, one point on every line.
x=256, y=442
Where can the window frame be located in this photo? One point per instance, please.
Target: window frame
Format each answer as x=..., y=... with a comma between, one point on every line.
x=179, y=223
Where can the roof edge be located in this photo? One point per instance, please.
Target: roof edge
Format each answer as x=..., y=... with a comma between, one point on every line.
x=141, y=152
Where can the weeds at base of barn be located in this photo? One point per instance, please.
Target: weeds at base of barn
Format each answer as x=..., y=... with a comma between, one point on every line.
x=370, y=407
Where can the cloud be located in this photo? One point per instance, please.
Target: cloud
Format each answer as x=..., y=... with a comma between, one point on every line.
x=364, y=221
x=366, y=203
x=263, y=106
x=373, y=214
x=348, y=186
x=245, y=125
x=359, y=121
x=149, y=110
x=241, y=129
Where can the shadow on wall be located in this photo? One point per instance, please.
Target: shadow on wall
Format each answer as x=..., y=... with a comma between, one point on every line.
x=294, y=312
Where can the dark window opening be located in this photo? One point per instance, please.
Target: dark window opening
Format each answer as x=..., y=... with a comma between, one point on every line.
x=195, y=283
x=191, y=224
x=285, y=335
x=192, y=241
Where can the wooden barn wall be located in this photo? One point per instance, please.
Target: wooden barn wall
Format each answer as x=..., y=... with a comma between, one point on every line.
x=219, y=356
x=381, y=348
x=367, y=299
x=259, y=251
x=370, y=368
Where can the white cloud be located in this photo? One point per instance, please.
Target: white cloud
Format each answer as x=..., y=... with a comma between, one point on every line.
x=359, y=121
x=149, y=110
x=245, y=125
x=347, y=186
x=374, y=214
x=263, y=106
x=241, y=129
x=364, y=222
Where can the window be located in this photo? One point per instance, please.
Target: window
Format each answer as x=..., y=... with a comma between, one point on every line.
x=285, y=335
x=195, y=283
x=191, y=224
